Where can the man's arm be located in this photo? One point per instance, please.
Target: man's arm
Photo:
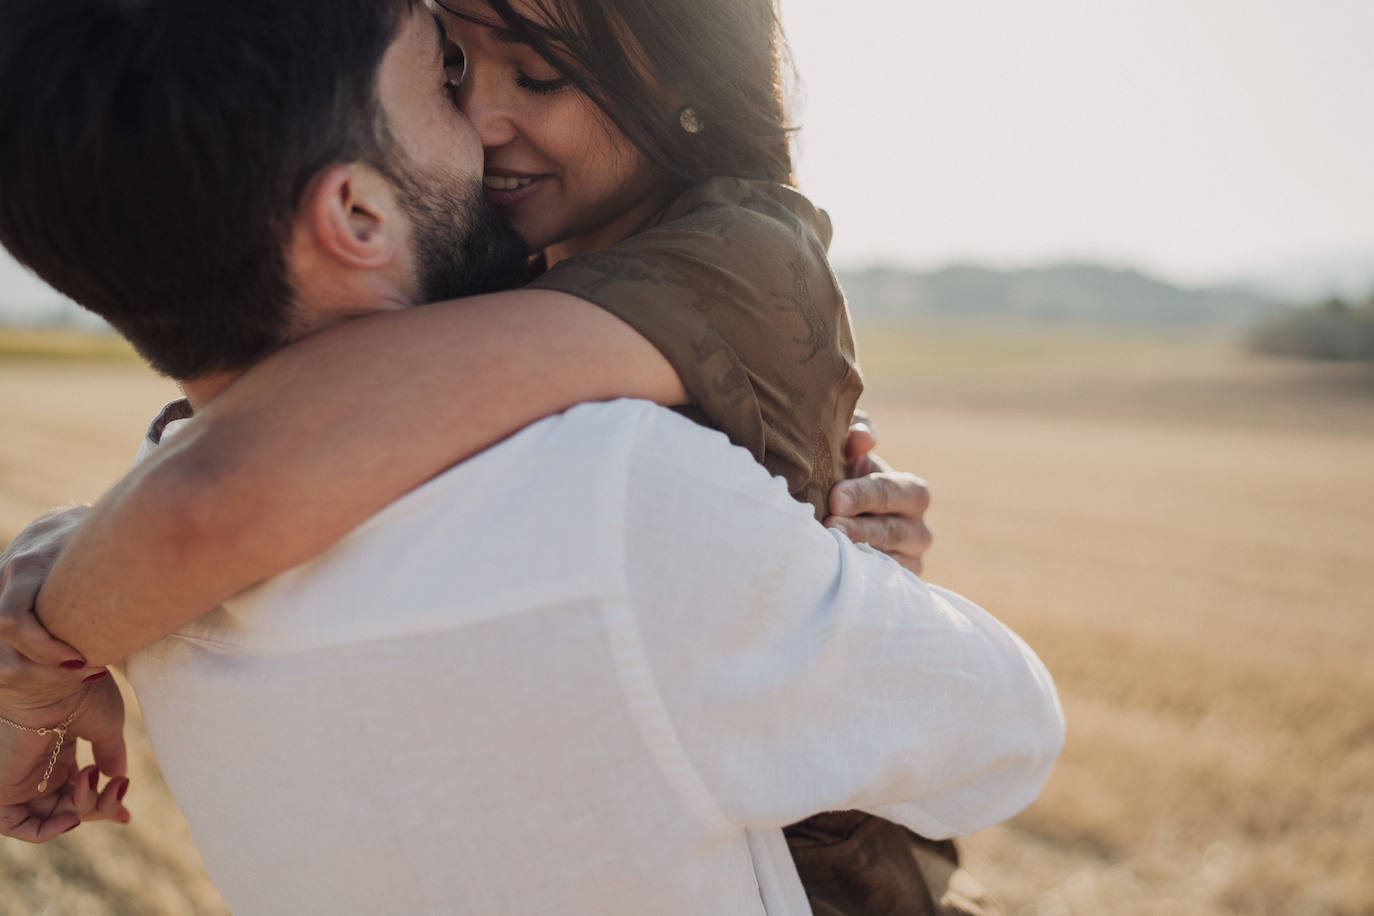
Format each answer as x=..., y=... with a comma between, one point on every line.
x=801, y=673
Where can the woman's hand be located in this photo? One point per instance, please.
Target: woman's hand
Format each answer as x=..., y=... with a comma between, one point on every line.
x=95, y=713
x=35, y=668
x=42, y=682
x=879, y=506
x=78, y=801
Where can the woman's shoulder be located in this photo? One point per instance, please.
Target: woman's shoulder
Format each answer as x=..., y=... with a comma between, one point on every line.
x=747, y=207
x=723, y=243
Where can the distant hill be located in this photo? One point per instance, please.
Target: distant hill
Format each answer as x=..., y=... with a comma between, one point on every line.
x=1348, y=275
x=1069, y=293
x=1333, y=330
x=1080, y=293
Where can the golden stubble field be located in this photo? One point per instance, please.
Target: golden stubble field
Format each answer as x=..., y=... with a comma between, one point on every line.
x=1184, y=533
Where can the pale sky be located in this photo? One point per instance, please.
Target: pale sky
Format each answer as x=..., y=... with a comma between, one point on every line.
x=1198, y=138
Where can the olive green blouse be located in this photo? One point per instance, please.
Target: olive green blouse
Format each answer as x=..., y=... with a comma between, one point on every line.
x=732, y=284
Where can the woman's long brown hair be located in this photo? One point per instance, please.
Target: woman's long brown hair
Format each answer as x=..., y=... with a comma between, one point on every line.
x=723, y=58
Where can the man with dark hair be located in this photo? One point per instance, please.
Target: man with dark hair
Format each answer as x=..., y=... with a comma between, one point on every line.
x=613, y=699
x=218, y=119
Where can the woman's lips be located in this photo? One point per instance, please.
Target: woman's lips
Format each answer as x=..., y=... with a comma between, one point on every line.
x=510, y=190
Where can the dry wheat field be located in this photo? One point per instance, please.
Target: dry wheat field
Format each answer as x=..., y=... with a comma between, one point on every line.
x=1185, y=534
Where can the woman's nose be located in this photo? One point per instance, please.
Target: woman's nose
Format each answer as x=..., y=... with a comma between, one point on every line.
x=488, y=109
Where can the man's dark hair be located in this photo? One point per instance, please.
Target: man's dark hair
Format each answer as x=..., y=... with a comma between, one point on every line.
x=153, y=152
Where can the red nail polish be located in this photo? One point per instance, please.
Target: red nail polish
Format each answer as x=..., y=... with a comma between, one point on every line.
x=95, y=677
x=122, y=791
x=95, y=779
x=75, y=664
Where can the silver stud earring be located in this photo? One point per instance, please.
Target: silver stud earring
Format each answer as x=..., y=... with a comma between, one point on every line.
x=691, y=123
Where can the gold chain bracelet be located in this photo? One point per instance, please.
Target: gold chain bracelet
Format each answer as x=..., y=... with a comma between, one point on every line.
x=59, y=730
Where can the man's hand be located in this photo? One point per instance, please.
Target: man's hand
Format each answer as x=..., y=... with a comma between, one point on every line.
x=879, y=506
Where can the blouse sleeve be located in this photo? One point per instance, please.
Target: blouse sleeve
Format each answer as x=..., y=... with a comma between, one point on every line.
x=734, y=287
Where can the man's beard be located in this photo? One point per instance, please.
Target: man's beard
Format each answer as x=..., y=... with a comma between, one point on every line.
x=463, y=245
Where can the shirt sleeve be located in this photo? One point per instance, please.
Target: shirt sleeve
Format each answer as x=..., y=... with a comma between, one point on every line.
x=802, y=673
x=735, y=289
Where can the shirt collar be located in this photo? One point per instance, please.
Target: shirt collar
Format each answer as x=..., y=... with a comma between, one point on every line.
x=180, y=409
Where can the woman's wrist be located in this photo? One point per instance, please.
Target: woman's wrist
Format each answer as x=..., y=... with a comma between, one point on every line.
x=31, y=711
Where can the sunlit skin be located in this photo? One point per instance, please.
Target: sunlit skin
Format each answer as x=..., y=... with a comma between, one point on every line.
x=591, y=186
x=413, y=88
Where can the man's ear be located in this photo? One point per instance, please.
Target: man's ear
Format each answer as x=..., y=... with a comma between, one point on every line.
x=350, y=213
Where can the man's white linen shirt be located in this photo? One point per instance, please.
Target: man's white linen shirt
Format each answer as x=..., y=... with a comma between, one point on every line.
x=592, y=670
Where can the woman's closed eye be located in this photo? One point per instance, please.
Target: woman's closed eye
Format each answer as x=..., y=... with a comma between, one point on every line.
x=540, y=87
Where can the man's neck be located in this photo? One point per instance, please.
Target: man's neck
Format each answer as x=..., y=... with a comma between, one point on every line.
x=203, y=390
x=315, y=310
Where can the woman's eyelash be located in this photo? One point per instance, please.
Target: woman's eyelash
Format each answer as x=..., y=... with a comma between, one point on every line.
x=540, y=87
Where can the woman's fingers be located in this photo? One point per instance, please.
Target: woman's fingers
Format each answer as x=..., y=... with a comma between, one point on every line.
x=111, y=755
x=35, y=668
x=20, y=822
x=110, y=805
x=83, y=791
x=42, y=819
x=37, y=684
x=23, y=568
x=79, y=801
x=21, y=576
x=84, y=798
x=102, y=724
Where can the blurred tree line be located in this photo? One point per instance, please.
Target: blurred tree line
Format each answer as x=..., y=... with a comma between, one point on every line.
x=1334, y=329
